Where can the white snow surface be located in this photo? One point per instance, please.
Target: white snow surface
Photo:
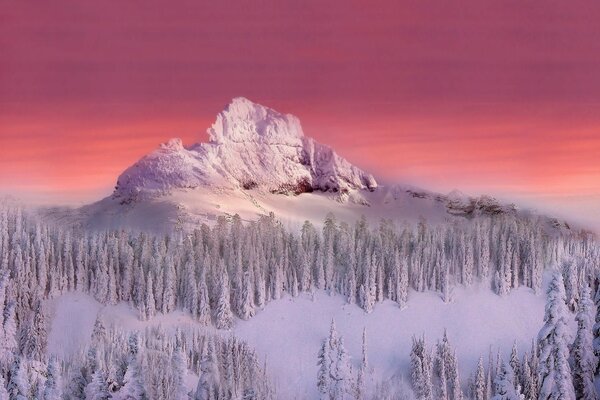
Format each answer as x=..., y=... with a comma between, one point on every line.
x=188, y=208
x=289, y=331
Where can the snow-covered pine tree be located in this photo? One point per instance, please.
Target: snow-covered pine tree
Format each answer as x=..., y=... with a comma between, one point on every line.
x=570, y=279
x=34, y=334
x=169, y=284
x=99, y=331
x=334, y=377
x=515, y=363
x=97, y=389
x=534, y=365
x=326, y=362
x=223, y=315
x=342, y=377
x=445, y=281
x=18, y=381
x=442, y=379
x=180, y=369
x=9, y=345
x=324, y=372
x=149, y=309
x=457, y=393
x=247, y=310
x=208, y=384
x=360, y=390
x=52, y=386
x=527, y=379
x=585, y=361
x=402, y=290
x=479, y=392
x=3, y=392
x=132, y=388
x=596, y=327
x=469, y=262
x=364, y=364
x=204, y=312
x=504, y=386
x=351, y=287
x=421, y=370
x=554, y=371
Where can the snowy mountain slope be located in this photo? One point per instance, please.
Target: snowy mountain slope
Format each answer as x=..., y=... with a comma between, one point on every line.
x=476, y=323
x=186, y=208
x=258, y=161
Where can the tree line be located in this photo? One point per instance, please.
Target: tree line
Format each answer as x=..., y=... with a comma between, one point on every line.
x=232, y=269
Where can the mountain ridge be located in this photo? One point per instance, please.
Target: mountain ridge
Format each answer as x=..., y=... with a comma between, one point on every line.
x=258, y=161
x=250, y=147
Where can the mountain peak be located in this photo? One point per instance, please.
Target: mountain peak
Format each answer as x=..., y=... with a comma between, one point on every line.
x=245, y=121
x=251, y=147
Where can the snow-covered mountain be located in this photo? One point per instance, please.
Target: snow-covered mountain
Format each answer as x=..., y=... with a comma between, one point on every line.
x=258, y=161
x=191, y=310
x=250, y=147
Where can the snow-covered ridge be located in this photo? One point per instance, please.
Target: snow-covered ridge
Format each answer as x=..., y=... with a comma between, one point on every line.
x=250, y=147
x=259, y=161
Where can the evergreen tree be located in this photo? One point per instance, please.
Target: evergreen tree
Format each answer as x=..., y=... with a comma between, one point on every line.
x=208, y=384
x=504, y=385
x=179, y=373
x=457, y=393
x=18, y=382
x=204, y=312
x=554, y=371
x=98, y=387
x=247, y=300
x=342, y=381
x=52, y=386
x=420, y=369
x=334, y=380
x=479, y=390
x=34, y=335
x=132, y=388
x=515, y=364
x=528, y=381
x=223, y=315
x=9, y=337
x=76, y=387
x=596, y=327
x=585, y=361
x=402, y=294
x=169, y=280
x=364, y=365
x=149, y=301
x=3, y=392
x=326, y=363
x=534, y=365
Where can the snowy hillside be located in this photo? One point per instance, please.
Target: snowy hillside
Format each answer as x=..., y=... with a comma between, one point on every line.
x=237, y=310
x=258, y=161
x=188, y=208
x=289, y=331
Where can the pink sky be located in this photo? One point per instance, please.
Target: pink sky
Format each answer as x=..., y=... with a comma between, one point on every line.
x=497, y=97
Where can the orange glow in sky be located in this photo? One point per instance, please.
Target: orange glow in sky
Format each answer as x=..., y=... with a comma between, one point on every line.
x=501, y=97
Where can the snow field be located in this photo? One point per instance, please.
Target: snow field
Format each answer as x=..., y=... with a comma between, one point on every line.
x=289, y=331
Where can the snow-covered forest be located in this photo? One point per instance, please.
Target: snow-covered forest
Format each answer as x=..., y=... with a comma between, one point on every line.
x=231, y=270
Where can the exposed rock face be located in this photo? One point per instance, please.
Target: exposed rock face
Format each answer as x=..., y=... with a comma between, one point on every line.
x=250, y=147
